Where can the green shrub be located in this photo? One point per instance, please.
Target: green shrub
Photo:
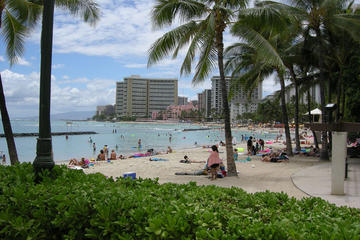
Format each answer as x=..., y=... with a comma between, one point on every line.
x=69, y=204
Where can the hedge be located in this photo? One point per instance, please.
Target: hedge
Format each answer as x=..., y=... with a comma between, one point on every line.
x=69, y=204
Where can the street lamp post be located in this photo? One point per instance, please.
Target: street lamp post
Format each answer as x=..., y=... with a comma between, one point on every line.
x=44, y=155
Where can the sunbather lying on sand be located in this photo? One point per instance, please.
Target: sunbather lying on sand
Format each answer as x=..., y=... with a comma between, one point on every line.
x=281, y=158
x=187, y=160
x=74, y=162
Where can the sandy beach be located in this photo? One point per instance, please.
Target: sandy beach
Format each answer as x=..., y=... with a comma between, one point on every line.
x=253, y=176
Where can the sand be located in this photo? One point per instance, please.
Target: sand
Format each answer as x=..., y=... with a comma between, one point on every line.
x=253, y=176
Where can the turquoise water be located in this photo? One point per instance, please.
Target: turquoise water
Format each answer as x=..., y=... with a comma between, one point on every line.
x=152, y=135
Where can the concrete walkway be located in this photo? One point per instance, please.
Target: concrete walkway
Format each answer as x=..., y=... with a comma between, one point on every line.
x=316, y=182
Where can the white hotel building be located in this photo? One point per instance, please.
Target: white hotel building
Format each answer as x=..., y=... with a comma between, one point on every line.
x=240, y=103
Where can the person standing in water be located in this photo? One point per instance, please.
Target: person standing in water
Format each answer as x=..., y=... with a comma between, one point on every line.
x=139, y=143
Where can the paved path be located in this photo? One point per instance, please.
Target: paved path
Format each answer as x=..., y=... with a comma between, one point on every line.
x=316, y=181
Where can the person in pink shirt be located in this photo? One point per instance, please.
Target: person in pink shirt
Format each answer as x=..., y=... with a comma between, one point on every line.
x=214, y=162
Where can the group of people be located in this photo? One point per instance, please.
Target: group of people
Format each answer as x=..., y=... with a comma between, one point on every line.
x=254, y=149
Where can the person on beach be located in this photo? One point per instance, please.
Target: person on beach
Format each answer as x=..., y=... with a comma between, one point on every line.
x=169, y=150
x=106, y=151
x=262, y=144
x=83, y=162
x=113, y=155
x=242, y=138
x=3, y=159
x=94, y=147
x=236, y=155
x=139, y=143
x=249, y=145
x=101, y=156
x=214, y=162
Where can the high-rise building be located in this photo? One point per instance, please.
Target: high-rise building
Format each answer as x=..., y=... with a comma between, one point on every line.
x=204, y=100
x=239, y=103
x=139, y=97
x=105, y=110
x=182, y=100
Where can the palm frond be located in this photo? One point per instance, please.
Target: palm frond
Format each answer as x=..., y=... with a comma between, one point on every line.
x=274, y=15
x=258, y=42
x=13, y=33
x=349, y=23
x=87, y=9
x=165, y=11
x=207, y=59
x=195, y=44
x=162, y=47
x=26, y=12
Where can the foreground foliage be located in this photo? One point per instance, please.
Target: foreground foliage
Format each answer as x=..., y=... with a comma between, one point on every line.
x=72, y=205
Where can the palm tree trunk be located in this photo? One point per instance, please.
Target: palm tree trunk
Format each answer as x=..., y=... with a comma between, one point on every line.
x=284, y=114
x=324, y=154
x=338, y=95
x=310, y=119
x=220, y=26
x=7, y=127
x=343, y=101
x=297, y=136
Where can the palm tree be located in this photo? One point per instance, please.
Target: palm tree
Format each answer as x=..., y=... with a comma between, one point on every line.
x=263, y=52
x=204, y=22
x=44, y=156
x=17, y=19
x=320, y=18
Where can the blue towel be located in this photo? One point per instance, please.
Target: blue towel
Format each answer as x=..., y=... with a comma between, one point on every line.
x=158, y=159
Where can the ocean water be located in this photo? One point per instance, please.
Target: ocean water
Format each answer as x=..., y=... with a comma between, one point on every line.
x=152, y=135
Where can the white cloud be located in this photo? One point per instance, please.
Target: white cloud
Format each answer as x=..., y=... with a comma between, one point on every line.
x=57, y=66
x=2, y=59
x=22, y=93
x=270, y=85
x=135, y=65
x=22, y=61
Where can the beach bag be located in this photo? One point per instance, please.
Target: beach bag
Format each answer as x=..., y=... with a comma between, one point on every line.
x=220, y=175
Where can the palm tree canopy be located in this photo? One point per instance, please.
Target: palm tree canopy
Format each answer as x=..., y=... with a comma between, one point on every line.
x=199, y=20
x=18, y=17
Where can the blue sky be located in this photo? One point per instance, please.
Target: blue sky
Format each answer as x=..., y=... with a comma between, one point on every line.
x=88, y=61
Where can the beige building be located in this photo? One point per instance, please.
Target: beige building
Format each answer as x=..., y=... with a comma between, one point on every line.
x=204, y=100
x=139, y=97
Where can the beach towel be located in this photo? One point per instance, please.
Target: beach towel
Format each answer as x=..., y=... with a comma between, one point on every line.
x=158, y=159
x=196, y=173
x=75, y=167
x=239, y=160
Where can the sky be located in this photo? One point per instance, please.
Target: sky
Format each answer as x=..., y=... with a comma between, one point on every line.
x=89, y=60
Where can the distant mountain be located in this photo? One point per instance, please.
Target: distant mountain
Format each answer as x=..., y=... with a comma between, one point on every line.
x=76, y=115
